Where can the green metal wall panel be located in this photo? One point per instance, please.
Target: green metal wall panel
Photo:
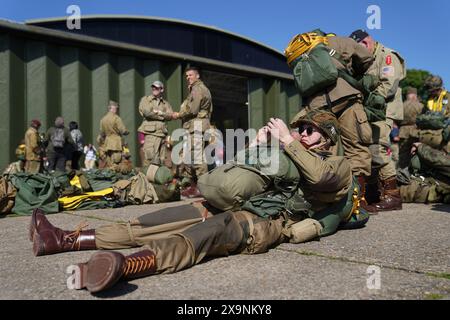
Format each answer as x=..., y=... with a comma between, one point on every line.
x=271, y=102
x=151, y=72
x=70, y=84
x=100, y=89
x=53, y=83
x=5, y=100
x=128, y=100
x=85, y=97
x=256, y=97
x=17, y=118
x=173, y=75
x=36, y=83
x=283, y=107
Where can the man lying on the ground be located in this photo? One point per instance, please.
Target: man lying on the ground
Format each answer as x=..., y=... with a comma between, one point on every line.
x=178, y=238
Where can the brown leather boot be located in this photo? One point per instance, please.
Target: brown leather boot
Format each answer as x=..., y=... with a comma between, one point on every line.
x=362, y=193
x=104, y=269
x=391, y=198
x=47, y=239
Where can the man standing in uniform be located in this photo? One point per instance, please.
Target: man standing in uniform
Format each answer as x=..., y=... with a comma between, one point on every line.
x=195, y=114
x=33, y=150
x=438, y=97
x=111, y=130
x=343, y=98
x=178, y=238
x=155, y=111
x=412, y=107
x=390, y=68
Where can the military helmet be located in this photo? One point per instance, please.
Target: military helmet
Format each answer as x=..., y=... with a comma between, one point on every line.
x=324, y=120
x=433, y=82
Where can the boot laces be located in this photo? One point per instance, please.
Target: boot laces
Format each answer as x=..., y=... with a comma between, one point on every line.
x=73, y=236
x=135, y=265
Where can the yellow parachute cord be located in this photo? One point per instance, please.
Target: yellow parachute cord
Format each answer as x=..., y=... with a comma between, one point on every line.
x=302, y=43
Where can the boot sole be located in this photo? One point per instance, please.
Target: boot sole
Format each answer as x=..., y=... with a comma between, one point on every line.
x=108, y=265
x=390, y=209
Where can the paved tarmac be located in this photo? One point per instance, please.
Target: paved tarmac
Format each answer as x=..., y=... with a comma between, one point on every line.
x=398, y=255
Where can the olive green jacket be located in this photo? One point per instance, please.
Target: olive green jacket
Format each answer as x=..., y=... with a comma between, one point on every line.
x=325, y=179
x=155, y=111
x=32, y=146
x=112, y=129
x=197, y=108
x=390, y=67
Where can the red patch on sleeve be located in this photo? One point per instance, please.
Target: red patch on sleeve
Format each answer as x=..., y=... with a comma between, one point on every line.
x=388, y=60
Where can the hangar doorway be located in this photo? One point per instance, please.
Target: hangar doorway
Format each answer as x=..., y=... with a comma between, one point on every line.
x=230, y=102
x=229, y=94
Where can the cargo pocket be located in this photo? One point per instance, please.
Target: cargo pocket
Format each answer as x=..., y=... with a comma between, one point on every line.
x=150, y=127
x=363, y=127
x=264, y=234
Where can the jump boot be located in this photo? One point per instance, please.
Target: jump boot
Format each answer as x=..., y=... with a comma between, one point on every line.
x=390, y=198
x=48, y=239
x=106, y=268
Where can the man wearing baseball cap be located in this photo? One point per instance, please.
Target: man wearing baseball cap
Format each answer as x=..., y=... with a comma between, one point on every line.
x=156, y=112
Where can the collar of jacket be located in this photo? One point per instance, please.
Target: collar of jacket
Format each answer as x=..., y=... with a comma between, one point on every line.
x=159, y=99
x=197, y=82
x=378, y=48
x=322, y=153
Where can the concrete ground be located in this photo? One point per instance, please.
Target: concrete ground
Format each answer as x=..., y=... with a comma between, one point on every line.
x=398, y=255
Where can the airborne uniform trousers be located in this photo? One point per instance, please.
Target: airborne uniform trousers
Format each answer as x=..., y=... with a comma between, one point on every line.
x=181, y=237
x=33, y=166
x=355, y=133
x=381, y=157
x=154, y=149
x=184, y=236
x=195, y=163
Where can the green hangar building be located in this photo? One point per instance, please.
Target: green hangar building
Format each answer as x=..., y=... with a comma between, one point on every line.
x=47, y=70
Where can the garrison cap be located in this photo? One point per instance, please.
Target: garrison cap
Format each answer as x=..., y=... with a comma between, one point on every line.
x=359, y=35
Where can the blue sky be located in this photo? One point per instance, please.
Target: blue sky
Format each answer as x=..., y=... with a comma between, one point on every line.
x=420, y=31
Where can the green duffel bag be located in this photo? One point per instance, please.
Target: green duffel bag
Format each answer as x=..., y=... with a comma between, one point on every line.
x=314, y=71
x=227, y=187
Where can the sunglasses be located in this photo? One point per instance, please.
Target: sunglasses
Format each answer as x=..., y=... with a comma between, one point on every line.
x=309, y=129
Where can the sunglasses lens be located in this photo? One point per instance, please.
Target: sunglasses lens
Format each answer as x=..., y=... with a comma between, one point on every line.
x=309, y=130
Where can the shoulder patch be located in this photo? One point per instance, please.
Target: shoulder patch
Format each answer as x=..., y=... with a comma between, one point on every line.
x=388, y=71
x=389, y=60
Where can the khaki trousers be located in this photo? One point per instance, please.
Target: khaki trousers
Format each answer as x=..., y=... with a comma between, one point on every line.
x=32, y=166
x=154, y=150
x=355, y=136
x=113, y=158
x=381, y=159
x=196, y=164
x=180, y=238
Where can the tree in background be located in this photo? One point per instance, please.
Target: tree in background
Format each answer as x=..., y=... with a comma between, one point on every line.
x=415, y=78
